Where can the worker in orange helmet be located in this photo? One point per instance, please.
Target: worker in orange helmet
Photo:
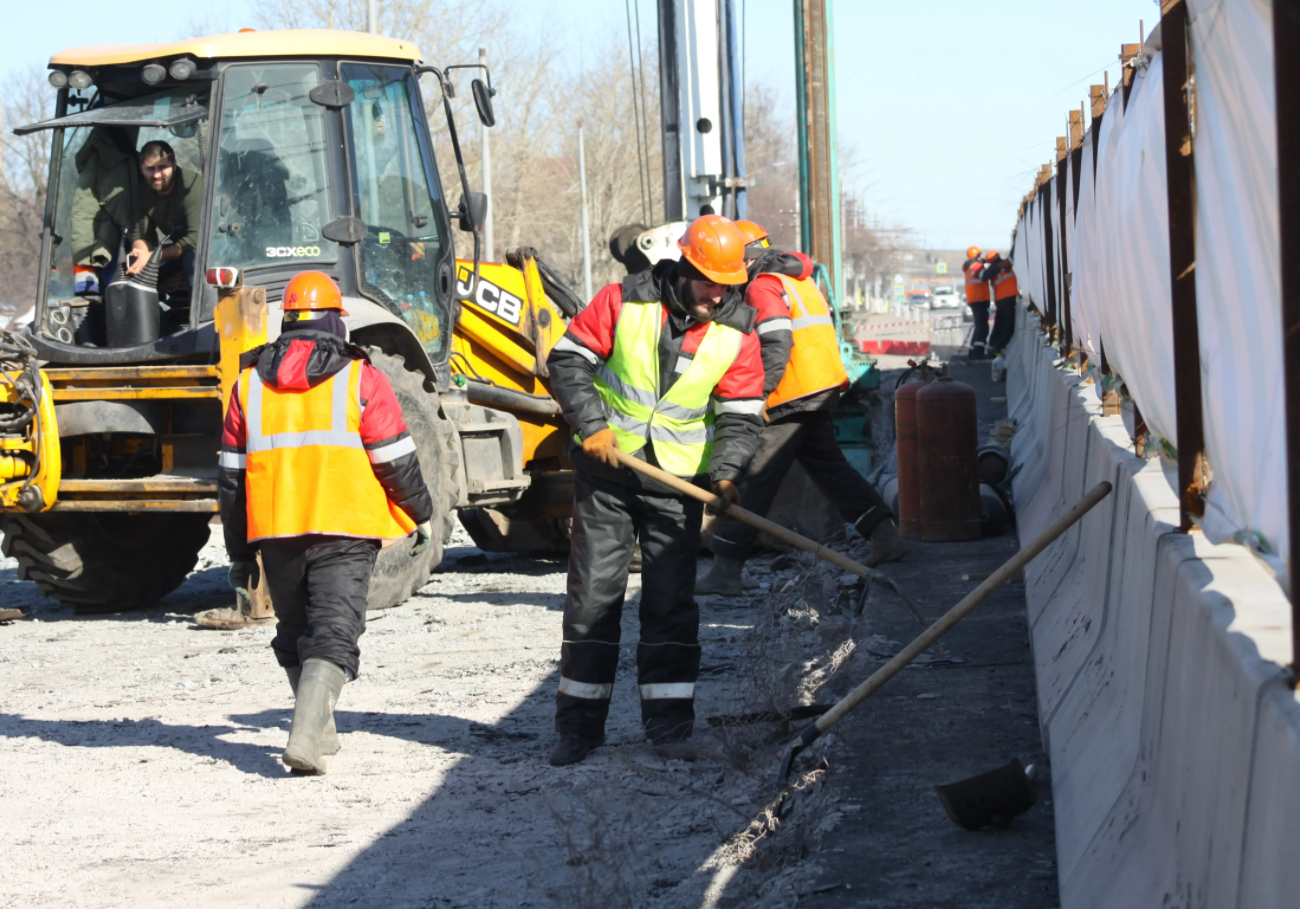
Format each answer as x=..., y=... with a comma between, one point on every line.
x=316, y=470
x=977, y=298
x=666, y=367
x=1001, y=278
x=804, y=377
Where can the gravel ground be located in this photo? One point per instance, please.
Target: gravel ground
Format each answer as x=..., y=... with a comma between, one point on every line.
x=140, y=754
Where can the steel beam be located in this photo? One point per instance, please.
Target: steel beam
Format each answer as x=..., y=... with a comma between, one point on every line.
x=1286, y=32
x=1181, y=180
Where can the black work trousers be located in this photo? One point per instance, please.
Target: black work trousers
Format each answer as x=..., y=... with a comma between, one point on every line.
x=607, y=520
x=980, y=314
x=318, y=586
x=1004, y=324
x=808, y=437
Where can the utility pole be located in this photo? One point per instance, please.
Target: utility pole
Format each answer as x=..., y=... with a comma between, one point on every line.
x=372, y=17
x=819, y=203
x=586, y=225
x=485, y=160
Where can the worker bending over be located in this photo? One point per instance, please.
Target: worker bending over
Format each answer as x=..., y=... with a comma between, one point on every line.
x=804, y=378
x=317, y=469
x=1001, y=277
x=977, y=298
x=664, y=366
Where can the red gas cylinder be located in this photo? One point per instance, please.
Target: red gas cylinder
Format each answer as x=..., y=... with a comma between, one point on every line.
x=909, y=489
x=947, y=438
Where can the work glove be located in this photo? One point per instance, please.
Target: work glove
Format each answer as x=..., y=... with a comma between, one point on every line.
x=725, y=489
x=244, y=576
x=425, y=534
x=601, y=446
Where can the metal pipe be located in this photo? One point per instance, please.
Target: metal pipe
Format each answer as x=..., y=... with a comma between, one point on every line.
x=509, y=398
x=586, y=225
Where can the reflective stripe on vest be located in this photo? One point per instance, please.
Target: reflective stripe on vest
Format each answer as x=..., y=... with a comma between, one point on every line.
x=815, y=363
x=976, y=291
x=680, y=424
x=307, y=469
x=1006, y=286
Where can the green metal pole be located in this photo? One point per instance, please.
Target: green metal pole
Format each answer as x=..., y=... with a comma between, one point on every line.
x=801, y=120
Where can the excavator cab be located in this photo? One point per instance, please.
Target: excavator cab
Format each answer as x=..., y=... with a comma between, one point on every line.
x=315, y=156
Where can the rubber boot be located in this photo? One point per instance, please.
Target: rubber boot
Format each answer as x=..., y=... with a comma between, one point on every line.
x=329, y=739
x=313, y=708
x=886, y=544
x=723, y=578
x=571, y=749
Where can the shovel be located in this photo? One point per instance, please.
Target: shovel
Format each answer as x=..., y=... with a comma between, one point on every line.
x=769, y=527
x=990, y=798
x=909, y=653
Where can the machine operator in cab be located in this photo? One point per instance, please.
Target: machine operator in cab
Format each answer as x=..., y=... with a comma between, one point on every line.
x=804, y=376
x=665, y=366
x=169, y=205
x=316, y=471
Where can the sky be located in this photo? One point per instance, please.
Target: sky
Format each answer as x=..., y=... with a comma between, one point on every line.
x=946, y=108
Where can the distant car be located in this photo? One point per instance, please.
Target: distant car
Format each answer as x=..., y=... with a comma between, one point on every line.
x=945, y=298
x=920, y=299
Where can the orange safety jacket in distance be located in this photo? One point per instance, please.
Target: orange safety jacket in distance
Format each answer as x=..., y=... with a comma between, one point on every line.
x=977, y=291
x=1005, y=284
x=307, y=470
x=815, y=363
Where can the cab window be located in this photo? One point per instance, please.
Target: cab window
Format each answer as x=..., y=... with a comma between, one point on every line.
x=272, y=190
x=396, y=195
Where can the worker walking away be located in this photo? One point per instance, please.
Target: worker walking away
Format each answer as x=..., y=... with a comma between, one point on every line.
x=977, y=298
x=803, y=389
x=1001, y=277
x=666, y=367
x=317, y=469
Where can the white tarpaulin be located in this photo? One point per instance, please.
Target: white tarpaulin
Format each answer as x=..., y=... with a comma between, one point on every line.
x=1238, y=270
x=1083, y=294
x=1136, y=317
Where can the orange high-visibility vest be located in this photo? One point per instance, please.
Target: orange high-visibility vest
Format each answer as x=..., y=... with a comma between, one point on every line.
x=815, y=363
x=976, y=291
x=1005, y=285
x=307, y=469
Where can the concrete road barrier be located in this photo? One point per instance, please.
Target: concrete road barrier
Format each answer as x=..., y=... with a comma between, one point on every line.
x=1174, y=739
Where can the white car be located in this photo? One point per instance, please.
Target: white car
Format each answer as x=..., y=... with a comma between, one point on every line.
x=946, y=298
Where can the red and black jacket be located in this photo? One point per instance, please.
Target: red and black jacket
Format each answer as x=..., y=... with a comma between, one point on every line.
x=574, y=360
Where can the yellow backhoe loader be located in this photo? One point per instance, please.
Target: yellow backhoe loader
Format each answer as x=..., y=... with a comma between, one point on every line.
x=311, y=150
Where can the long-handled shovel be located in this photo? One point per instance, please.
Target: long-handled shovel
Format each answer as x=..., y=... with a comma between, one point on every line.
x=943, y=625
x=781, y=533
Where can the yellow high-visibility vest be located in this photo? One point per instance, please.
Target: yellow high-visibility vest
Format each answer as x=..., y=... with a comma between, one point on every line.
x=680, y=424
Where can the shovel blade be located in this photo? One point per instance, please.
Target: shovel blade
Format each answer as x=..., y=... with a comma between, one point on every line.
x=990, y=798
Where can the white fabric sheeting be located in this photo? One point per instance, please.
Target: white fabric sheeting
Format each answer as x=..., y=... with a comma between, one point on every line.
x=1136, y=321
x=1238, y=274
x=1084, y=301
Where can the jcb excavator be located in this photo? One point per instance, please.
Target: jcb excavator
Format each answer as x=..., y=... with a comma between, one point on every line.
x=311, y=151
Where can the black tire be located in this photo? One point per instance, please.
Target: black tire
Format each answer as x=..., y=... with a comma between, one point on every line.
x=397, y=573
x=105, y=562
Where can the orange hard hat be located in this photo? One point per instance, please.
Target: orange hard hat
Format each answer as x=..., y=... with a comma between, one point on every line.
x=972, y=252
x=715, y=246
x=753, y=233
x=991, y=254
x=312, y=291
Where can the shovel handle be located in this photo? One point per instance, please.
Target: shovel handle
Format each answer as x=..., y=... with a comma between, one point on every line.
x=741, y=514
x=962, y=609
